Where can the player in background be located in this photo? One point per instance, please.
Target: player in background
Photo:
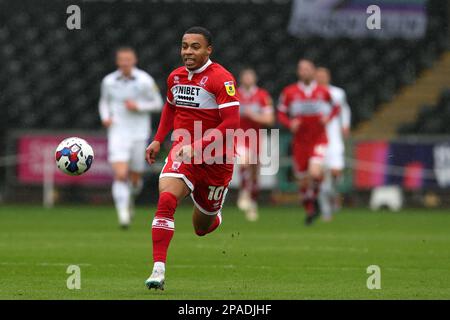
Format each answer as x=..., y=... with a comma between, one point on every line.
x=201, y=92
x=128, y=95
x=305, y=108
x=338, y=129
x=256, y=112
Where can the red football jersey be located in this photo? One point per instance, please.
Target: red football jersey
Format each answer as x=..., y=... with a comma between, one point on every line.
x=310, y=104
x=258, y=101
x=199, y=95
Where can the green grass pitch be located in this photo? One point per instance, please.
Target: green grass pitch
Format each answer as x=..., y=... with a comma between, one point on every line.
x=275, y=258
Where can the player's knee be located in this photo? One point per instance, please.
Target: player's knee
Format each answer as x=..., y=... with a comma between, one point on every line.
x=200, y=232
x=121, y=176
x=336, y=173
x=316, y=172
x=167, y=204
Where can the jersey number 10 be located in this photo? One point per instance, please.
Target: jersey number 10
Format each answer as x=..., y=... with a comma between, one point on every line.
x=215, y=193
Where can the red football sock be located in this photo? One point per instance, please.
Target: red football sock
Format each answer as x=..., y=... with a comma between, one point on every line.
x=245, y=178
x=307, y=200
x=163, y=226
x=255, y=189
x=316, y=188
x=212, y=227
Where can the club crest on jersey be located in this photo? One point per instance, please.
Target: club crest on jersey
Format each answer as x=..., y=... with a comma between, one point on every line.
x=176, y=165
x=229, y=86
x=203, y=81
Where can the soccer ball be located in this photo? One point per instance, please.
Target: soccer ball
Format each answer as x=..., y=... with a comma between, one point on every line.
x=74, y=156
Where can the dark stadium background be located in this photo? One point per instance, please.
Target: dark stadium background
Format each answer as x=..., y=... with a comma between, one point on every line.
x=50, y=76
x=399, y=93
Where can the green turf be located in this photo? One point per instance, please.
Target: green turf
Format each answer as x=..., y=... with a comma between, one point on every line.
x=275, y=258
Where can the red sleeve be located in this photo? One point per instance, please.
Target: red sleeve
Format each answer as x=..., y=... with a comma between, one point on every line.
x=282, y=113
x=167, y=115
x=225, y=91
x=228, y=102
x=230, y=120
x=165, y=123
x=335, y=109
x=284, y=119
x=266, y=101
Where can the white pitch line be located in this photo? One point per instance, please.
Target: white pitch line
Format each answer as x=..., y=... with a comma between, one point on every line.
x=44, y=264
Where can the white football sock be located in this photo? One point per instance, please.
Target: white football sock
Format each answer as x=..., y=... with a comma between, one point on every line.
x=121, y=196
x=136, y=189
x=325, y=196
x=161, y=266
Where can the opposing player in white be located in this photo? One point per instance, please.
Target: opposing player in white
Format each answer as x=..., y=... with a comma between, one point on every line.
x=128, y=96
x=338, y=129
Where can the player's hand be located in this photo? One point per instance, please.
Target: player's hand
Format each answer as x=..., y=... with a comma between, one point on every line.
x=131, y=105
x=249, y=113
x=185, y=153
x=295, y=124
x=152, y=151
x=107, y=123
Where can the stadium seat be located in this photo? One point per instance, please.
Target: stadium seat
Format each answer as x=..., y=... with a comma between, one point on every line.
x=48, y=66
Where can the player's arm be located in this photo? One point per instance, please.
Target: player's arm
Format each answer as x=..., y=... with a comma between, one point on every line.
x=345, y=116
x=228, y=104
x=230, y=119
x=103, y=106
x=150, y=99
x=283, y=116
x=164, y=127
x=266, y=117
x=335, y=108
x=166, y=124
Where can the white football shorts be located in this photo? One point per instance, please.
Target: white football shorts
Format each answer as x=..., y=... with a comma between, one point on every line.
x=121, y=149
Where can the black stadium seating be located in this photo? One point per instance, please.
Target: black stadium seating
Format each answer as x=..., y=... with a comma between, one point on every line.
x=432, y=120
x=50, y=76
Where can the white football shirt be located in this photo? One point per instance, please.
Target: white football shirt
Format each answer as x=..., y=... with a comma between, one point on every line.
x=139, y=87
x=335, y=126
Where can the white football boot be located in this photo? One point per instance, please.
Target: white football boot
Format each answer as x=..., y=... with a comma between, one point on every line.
x=156, y=280
x=244, y=200
x=252, y=212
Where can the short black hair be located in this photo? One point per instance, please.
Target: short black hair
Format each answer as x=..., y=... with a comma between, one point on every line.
x=201, y=30
x=125, y=49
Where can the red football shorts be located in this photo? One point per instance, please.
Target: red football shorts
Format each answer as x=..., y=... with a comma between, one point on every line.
x=304, y=154
x=208, y=182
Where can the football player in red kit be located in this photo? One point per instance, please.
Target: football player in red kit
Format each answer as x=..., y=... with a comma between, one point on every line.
x=256, y=112
x=305, y=108
x=201, y=96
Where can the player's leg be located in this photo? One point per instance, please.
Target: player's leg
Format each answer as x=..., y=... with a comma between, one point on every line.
x=205, y=223
x=137, y=167
x=119, y=152
x=121, y=192
x=244, y=198
x=329, y=197
x=315, y=172
x=171, y=191
x=136, y=184
x=336, y=175
x=209, y=196
x=252, y=212
x=325, y=196
x=301, y=157
x=315, y=177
